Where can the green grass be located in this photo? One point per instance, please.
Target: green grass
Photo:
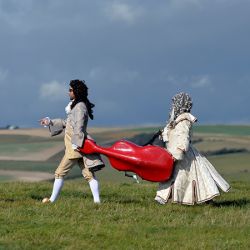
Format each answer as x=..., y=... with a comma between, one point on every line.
x=4, y=178
x=28, y=166
x=24, y=148
x=213, y=129
x=18, y=145
x=234, y=166
x=128, y=218
x=240, y=130
x=26, y=138
x=106, y=174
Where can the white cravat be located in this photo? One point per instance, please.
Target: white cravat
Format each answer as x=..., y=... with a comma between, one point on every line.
x=68, y=107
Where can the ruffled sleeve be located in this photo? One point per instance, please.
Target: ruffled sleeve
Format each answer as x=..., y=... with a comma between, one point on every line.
x=182, y=139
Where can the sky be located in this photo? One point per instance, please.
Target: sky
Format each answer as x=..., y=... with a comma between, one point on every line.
x=133, y=54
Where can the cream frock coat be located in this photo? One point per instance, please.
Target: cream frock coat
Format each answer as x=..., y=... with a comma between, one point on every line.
x=75, y=130
x=194, y=179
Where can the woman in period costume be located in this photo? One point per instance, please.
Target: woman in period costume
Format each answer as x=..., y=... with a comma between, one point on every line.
x=78, y=111
x=194, y=179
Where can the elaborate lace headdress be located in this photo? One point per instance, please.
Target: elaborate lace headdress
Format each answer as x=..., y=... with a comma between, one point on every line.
x=182, y=103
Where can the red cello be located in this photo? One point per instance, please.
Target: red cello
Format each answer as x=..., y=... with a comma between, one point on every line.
x=151, y=163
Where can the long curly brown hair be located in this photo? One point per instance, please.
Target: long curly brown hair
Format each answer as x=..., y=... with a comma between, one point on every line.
x=80, y=91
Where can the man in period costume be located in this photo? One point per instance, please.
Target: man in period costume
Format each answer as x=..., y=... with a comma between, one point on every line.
x=78, y=111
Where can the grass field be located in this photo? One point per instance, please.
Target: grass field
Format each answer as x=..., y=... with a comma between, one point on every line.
x=213, y=138
x=238, y=130
x=128, y=217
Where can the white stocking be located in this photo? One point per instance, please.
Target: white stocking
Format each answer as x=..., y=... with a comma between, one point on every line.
x=58, y=184
x=95, y=190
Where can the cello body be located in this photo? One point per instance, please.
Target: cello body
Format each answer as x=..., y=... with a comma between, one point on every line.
x=151, y=163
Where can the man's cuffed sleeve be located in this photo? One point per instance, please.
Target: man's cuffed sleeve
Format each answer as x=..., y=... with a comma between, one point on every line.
x=57, y=126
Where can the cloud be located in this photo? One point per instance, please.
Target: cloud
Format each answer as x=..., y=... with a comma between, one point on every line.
x=27, y=16
x=96, y=73
x=14, y=12
x=114, y=75
x=134, y=55
x=201, y=82
x=123, y=12
x=184, y=3
x=107, y=105
x=3, y=74
x=190, y=81
x=201, y=4
x=53, y=91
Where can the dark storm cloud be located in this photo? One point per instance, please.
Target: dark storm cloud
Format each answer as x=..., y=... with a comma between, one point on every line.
x=134, y=56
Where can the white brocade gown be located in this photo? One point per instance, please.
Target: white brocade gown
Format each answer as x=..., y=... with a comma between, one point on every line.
x=194, y=178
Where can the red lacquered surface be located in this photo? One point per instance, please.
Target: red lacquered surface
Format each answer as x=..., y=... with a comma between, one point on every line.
x=151, y=163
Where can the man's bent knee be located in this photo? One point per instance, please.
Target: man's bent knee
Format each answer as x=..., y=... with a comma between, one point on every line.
x=87, y=175
x=59, y=176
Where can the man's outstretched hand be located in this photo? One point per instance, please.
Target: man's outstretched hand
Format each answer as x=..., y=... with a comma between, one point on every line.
x=45, y=121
